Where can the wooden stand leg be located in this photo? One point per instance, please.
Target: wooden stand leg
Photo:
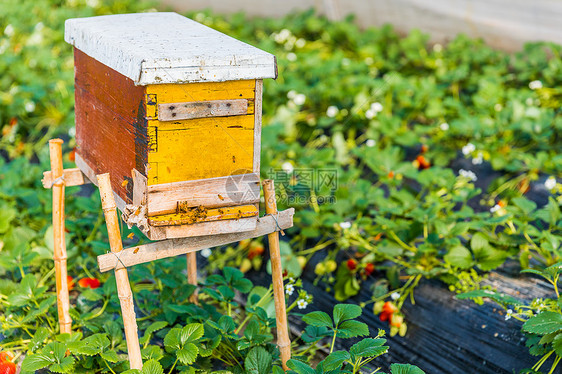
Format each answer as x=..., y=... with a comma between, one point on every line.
x=192, y=274
x=59, y=244
x=283, y=341
x=121, y=275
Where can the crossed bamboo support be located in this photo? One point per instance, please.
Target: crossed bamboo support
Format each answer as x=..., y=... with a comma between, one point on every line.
x=57, y=178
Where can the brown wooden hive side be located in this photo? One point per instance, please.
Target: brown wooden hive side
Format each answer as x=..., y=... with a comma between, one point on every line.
x=111, y=126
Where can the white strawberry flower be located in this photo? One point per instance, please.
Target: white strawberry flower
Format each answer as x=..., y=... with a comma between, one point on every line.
x=289, y=289
x=395, y=296
x=468, y=174
x=550, y=183
x=444, y=126
x=300, y=43
x=29, y=106
x=495, y=208
x=370, y=143
x=508, y=314
x=299, y=99
x=291, y=57
x=535, y=85
x=345, y=225
x=287, y=167
x=302, y=304
x=9, y=30
x=478, y=159
x=468, y=149
x=377, y=107
x=206, y=252
x=332, y=111
x=370, y=114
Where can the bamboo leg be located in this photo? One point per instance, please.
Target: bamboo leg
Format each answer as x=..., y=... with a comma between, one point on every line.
x=192, y=274
x=121, y=275
x=59, y=245
x=283, y=341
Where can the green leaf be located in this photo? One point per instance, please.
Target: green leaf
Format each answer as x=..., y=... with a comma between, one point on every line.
x=489, y=258
x=460, y=257
x=352, y=329
x=65, y=365
x=172, y=340
x=188, y=354
x=405, y=369
x=192, y=332
x=155, y=326
x=36, y=362
x=110, y=356
x=258, y=361
x=243, y=285
x=152, y=352
x=500, y=298
x=557, y=344
x=527, y=206
x=369, y=347
x=41, y=334
x=335, y=360
x=90, y=346
x=152, y=367
x=314, y=333
x=343, y=312
x=543, y=323
x=300, y=367
x=478, y=241
x=319, y=319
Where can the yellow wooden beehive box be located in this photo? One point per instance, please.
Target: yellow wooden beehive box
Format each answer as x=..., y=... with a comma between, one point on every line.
x=172, y=110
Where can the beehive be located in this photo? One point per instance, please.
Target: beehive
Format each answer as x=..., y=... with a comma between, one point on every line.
x=172, y=110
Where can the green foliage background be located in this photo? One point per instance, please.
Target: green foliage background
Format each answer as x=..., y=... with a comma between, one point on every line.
x=405, y=220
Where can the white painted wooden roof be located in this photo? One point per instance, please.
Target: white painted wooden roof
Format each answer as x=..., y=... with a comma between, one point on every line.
x=154, y=48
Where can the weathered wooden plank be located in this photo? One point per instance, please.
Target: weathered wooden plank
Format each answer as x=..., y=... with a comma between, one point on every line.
x=239, y=189
x=139, y=188
x=200, y=148
x=202, y=109
x=257, y=125
x=202, y=91
x=110, y=132
x=203, y=228
x=175, y=247
x=72, y=177
x=201, y=214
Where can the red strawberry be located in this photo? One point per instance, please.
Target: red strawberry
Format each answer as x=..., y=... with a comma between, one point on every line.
x=351, y=264
x=369, y=268
x=255, y=250
x=92, y=283
x=6, y=364
x=70, y=282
